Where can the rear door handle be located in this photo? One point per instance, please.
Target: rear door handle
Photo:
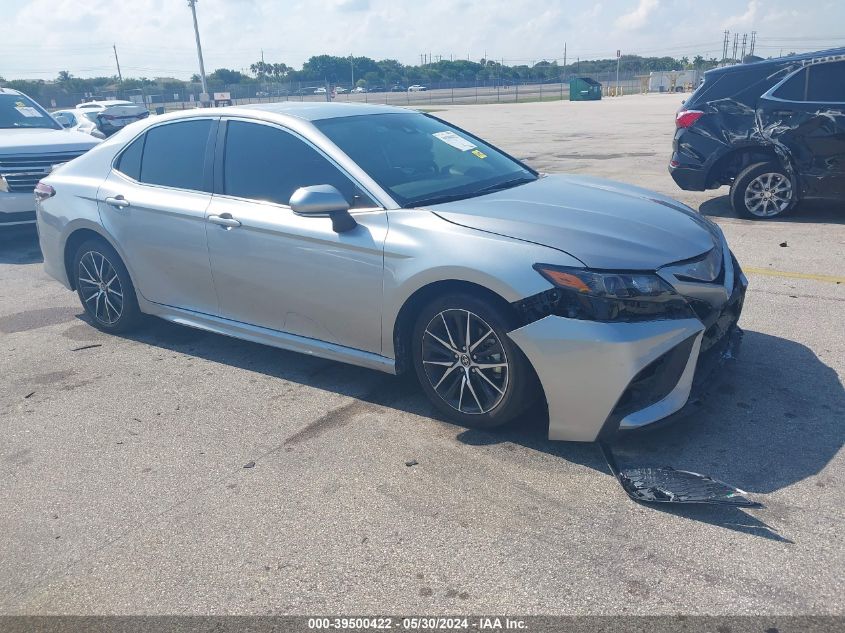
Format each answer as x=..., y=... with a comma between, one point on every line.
x=118, y=202
x=225, y=220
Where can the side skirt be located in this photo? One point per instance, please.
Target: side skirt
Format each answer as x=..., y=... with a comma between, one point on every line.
x=273, y=338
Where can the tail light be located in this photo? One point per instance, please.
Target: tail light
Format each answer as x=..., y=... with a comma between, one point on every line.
x=42, y=191
x=686, y=118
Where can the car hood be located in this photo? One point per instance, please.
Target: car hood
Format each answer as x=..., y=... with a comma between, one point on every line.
x=39, y=141
x=605, y=224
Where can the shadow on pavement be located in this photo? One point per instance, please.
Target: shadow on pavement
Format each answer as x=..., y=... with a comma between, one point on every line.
x=772, y=419
x=807, y=211
x=19, y=245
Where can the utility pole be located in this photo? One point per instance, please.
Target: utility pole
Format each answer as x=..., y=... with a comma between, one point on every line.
x=618, y=58
x=753, y=41
x=564, y=59
x=736, y=44
x=193, y=5
x=352, y=66
x=725, y=46
x=744, y=39
x=117, y=61
x=262, y=55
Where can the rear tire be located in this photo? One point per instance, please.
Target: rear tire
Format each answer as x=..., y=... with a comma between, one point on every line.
x=104, y=287
x=483, y=384
x=763, y=191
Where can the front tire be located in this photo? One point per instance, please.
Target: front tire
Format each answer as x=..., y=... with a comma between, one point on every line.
x=467, y=365
x=104, y=287
x=763, y=191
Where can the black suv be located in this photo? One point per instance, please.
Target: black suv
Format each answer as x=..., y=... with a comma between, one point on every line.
x=772, y=129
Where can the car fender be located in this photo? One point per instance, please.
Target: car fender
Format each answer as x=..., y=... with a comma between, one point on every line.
x=422, y=249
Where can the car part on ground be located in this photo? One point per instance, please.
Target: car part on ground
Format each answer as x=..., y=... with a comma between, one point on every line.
x=668, y=485
x=32, y=145
x=788, y=112
x=608, y=297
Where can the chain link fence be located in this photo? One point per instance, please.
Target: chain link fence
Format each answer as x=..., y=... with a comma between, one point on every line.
x=161, y=99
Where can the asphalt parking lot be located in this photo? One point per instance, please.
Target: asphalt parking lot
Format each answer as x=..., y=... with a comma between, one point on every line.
x=123, y=486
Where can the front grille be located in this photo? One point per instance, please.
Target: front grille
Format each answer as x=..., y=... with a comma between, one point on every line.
x=23, y=172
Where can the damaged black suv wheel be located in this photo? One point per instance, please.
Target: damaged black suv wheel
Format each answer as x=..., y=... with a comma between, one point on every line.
x=762, y=191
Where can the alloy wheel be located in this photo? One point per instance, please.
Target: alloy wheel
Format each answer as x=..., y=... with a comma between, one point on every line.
x=464, y=361
x=768, y=195
x=100, y=287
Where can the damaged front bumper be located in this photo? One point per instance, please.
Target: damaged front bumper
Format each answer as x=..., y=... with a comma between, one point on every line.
x=601, y=379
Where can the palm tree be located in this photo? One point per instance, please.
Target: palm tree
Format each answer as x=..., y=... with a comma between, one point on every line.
x=260, y=69
x=280, y=71
x=64, y=77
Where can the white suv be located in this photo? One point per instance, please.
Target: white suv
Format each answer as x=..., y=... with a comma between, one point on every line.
x=31, y=144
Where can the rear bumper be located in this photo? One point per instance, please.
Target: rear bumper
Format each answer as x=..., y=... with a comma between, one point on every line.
x=687, y=177
x=17, y=208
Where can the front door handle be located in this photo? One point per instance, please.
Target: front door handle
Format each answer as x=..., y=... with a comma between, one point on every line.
x=225, y=220
x=118, y=202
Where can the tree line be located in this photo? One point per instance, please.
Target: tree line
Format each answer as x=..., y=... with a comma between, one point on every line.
x=363, y=71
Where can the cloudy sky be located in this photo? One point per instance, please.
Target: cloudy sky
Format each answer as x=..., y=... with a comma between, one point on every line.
x=155, y=37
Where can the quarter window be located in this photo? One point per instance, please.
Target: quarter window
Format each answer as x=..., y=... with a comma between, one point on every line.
x=793, y=88
x=129, y=162
x=174, y=155
x=265, y=163
x=827, y=83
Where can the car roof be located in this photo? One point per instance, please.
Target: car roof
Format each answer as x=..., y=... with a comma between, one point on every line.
x=767, y=65
x=10, y=91
x=305, y=110
x=106, y=103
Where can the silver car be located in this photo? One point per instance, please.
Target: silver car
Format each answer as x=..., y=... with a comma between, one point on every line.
x=392, y=240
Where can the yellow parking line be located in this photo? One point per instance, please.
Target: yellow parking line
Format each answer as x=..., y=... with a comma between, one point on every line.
x=780, y=273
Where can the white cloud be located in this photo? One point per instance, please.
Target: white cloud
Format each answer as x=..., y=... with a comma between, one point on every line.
x=637, y=18
x=743, y=19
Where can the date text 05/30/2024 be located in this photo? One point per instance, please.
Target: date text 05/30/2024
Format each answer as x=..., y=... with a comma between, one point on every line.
x=418, y=623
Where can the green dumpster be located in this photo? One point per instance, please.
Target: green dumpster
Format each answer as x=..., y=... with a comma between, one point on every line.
x=584, y=89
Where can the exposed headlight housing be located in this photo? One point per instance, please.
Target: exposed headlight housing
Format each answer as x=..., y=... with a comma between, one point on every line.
x=612, y=296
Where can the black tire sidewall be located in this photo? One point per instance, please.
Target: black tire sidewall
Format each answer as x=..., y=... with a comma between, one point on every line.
x=130, y=317
x=745, y=177
x=521, y=379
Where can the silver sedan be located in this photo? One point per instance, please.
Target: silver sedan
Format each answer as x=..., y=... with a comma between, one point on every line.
x=392, y=240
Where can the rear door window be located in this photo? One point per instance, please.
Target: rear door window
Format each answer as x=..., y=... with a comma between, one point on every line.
x=174, y=155
x=827, y=83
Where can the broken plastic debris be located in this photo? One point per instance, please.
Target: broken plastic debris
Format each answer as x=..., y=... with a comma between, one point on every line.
x=249, y=465
x=411, y=462
x=667, y=485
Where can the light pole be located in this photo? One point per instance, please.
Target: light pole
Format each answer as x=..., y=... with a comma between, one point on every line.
x=193, y=5
x=618, y=58
x=352, y=66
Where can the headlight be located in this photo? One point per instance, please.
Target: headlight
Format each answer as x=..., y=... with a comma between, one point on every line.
x=612, y=296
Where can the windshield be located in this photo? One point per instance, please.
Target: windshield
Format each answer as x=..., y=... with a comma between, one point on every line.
x=18, y=111
x=420, y=160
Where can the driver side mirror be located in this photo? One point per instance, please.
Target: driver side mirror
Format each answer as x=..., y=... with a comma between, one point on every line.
x=62, y=119
x=323, y=201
